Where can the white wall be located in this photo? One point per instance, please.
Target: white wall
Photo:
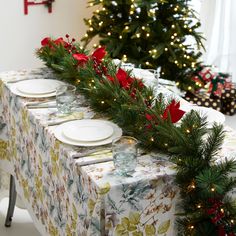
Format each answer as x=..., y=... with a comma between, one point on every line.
x=21, y=34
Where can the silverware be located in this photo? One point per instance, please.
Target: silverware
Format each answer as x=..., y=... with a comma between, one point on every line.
x=92, y=153
x=41, y=106
x=95, y=162
x=58, y=122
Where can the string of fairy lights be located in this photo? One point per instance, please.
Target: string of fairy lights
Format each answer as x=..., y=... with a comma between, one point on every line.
x=176, y=40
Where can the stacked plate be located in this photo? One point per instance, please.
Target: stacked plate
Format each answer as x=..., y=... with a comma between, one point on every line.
x=87, y=132
x=36, y=88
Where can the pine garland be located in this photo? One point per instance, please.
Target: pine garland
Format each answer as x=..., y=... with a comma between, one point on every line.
x=205, y=207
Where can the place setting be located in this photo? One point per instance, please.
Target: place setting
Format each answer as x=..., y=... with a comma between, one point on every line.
x=36, y=88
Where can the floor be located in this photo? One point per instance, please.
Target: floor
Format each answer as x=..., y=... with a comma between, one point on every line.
x=22, y=224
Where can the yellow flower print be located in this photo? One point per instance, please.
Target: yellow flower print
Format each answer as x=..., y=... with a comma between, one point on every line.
x=25, y=186
x=39, y=188
x=40, y=168
x=4, y=155
x=25, y=120
x=54, y=159
x=164, y=227
x=68, y=231
x=91, y=205
x=75, y=217
x=105, y=189
x=129, y=225
x=150, y=230
x=53, y=231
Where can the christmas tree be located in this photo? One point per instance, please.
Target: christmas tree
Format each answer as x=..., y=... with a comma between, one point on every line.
x=150, y=34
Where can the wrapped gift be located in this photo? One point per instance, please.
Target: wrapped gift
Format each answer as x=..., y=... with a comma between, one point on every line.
x=207, y=77
x=228, y=100
x=204, y=99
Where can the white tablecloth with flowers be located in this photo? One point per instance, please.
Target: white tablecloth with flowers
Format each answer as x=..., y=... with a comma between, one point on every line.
x=65, y=198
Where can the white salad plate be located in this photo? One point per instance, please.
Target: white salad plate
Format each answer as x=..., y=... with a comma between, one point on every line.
x=87, y=130
x=36, y=88
x=211, y=114
x=60, y=130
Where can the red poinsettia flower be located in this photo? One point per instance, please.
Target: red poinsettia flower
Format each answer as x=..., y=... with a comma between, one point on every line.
x=81, y=58
x=99, y=54
x=46, y=41
x=173, y=110
x=124, y=79
x=59, y=41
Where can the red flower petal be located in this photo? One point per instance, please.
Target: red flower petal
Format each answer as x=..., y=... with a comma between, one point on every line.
x=59, y=41
x=81, y=58
x=148, y=117
x=175, y=113
x=110, y=78
x=99, y=53
x=46, y=41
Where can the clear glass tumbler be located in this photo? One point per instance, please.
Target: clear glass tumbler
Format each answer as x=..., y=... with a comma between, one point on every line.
x=151, y=74
x=124, y=151
x=65, y=97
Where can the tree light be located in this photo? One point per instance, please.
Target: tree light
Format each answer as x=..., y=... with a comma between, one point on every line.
x=138, y=35
x=109, y=33
x=147, y=34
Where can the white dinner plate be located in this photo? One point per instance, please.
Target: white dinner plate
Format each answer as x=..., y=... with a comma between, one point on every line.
x=87, y=130
x=37, y=86
x=211, y=114
x=14, y=89
x=117, y=132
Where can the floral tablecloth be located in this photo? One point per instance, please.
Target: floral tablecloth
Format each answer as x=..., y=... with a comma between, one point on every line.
x=65, y=198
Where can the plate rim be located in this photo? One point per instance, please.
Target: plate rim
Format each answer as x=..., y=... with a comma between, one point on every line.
x=21, y=83
x=116, y=133
x=102, y=124
x=15, y=91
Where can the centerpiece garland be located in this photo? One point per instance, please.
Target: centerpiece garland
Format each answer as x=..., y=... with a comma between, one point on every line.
x=206, y=207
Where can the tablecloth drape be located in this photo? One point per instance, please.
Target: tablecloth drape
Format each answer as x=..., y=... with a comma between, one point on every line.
x=65, y=198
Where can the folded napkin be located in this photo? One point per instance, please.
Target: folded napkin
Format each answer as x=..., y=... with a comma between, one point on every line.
x=95, y=157
x=55, y=119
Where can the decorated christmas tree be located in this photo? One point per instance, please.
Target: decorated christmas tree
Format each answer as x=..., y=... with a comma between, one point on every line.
x=150, y=34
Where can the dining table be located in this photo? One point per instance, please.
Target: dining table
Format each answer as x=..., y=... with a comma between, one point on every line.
x=82, y=196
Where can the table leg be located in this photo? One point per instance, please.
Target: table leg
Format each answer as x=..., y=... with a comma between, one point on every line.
x=12, y=202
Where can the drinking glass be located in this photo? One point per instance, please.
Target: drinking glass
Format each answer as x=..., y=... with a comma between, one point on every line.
x=65, y=96
x=150, y=74
x=124, y=150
